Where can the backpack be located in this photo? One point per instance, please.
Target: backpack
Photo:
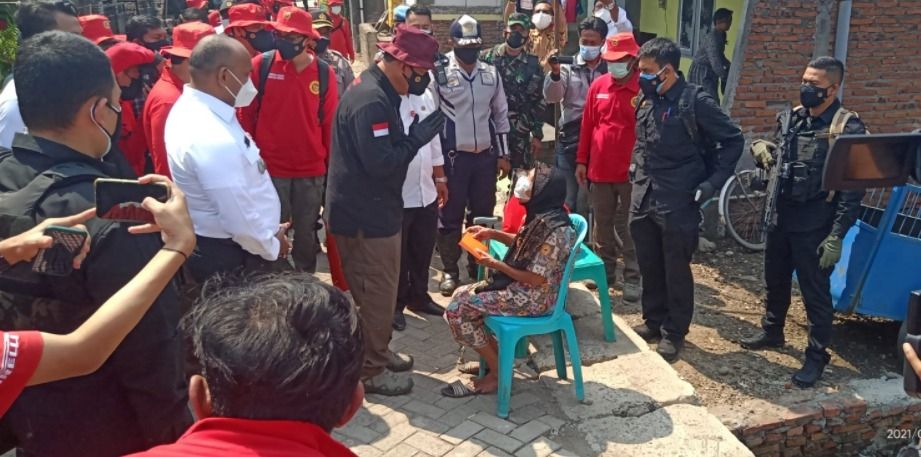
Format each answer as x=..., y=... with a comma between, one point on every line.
x=687, y=112
x=25, y=299
x=322, y=74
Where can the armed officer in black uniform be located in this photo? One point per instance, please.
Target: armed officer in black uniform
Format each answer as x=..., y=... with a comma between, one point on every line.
x=810, y=222
x=686, y=148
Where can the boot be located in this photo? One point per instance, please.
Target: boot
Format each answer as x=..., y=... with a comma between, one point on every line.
x=670, y=348
x=762, y=340
x=811, y=371
x=450, y=253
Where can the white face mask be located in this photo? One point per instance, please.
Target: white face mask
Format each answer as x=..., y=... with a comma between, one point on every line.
x=245, y=95
x=619, y=70
x=225, y=23
x=604, y=14
x=522, y=188
x=541, y=20
x=335, y=9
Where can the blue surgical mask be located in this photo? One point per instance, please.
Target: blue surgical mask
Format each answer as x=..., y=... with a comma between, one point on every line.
x=619, y=70
x=589, y=53
x=650, y=83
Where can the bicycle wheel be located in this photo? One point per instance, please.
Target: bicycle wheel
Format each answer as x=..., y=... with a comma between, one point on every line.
x=742, y=202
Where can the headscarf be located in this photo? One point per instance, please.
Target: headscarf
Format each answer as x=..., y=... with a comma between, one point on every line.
x=545, y=215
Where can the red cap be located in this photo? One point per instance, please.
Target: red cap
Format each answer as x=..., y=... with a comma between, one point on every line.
x=292, y=19
x=246, y=15
x=334, y=2
x=126, y=55
x=214, y=18
x=197, y=4
x=620, y=46
x=185, y=37
x=412, y=46
x=98, y=29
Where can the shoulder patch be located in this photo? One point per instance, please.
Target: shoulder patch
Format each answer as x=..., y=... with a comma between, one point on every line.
x=315, y=87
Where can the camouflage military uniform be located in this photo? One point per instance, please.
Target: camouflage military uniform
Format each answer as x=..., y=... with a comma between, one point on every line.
x=523, y=81
x=344, y=73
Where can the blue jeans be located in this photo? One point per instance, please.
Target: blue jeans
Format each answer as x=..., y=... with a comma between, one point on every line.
x=576, y=196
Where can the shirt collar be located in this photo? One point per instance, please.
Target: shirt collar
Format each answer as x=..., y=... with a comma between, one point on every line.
x=223, y=110
x=632, y=84
x=674, y=93
x=377, y=74
x=56, y=151
x=248, y=431
x=828, y=115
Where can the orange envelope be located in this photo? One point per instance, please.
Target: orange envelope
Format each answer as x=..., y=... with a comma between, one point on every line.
x=474, y=246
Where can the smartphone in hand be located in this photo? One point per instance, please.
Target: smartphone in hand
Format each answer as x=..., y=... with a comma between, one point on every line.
x=120, y=199
x=58, y=260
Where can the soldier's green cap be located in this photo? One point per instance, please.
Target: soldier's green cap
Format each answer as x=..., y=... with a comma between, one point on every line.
x=519, y=19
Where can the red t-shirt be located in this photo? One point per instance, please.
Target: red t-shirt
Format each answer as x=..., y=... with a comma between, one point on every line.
x=608, y=129
x=226, y=437
x=284, y=121
x=340, y=38
x=159, y=102
x=131, y=142
x=21, y=353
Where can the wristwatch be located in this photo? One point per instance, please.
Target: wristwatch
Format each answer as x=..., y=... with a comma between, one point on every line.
x=442, y=180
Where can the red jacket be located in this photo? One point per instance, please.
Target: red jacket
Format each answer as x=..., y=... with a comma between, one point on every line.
x=21, y=352
x=608, y=129
x=229, y=437
x=340, y=39
x=160, y=101
x=284, y=119
x=132, y=142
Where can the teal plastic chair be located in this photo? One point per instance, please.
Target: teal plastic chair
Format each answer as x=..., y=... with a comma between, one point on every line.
x=510, y=330
x=588, y=266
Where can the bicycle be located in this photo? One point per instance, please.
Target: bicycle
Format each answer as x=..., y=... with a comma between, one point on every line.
x=741, y=205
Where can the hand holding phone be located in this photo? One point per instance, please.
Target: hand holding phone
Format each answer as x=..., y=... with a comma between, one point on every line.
x=120, y=199
x=59, y=258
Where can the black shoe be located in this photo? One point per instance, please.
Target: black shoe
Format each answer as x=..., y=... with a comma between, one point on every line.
x=447, y=285
x=427, y=307
x=648, y=334
x=762, y=340
x=669, y=349
x=399, y=321
x=811, y=371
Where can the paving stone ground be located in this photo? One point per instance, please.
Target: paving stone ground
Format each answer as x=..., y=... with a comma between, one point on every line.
x=636, y=405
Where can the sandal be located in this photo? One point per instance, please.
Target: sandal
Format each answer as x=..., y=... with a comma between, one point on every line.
x=458, y=389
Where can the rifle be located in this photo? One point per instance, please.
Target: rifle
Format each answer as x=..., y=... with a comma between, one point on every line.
x=779, y=172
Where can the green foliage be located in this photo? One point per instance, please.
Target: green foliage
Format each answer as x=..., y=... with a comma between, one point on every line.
x=9, y=39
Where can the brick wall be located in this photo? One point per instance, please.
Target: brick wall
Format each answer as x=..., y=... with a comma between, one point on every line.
x=882, y=65
x=845, y=424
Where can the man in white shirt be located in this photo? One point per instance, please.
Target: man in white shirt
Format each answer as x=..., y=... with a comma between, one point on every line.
x=32, y=18
x=233, y=204
x=614, y=16
x=425, y=189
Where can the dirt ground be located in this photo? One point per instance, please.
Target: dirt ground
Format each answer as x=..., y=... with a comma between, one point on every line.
x=729, y=305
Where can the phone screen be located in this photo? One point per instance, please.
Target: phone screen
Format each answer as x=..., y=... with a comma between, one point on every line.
x=58, y=259
x=120, y=199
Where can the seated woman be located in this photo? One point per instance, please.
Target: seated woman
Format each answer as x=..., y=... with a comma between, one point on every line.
x=525, y=283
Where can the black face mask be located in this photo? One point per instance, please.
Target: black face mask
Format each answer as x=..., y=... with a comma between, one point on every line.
x=262, y=41
x=418, y=83
x=467, y=56
x=156, y=45
x=650, y=85
x=133, y=90
x=149, y=73
x=515, y=40
x=811, y=96
x=289, y=49
x=322, y=45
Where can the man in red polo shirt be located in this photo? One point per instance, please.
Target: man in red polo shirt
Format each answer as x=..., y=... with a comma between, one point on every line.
x=290, y=121
x=248, y=25
x=603, y=158
x=340, y=38
x=281, y=359
x=168, y=89
x=126, y=58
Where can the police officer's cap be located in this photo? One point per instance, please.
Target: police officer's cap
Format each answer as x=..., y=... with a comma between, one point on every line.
x=465, y=30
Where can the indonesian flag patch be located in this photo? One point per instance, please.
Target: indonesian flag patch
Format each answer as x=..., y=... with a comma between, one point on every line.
x=380, y=129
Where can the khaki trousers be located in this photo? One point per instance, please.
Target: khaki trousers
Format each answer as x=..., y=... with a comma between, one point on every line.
x=611, y=233
x=372, y=269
